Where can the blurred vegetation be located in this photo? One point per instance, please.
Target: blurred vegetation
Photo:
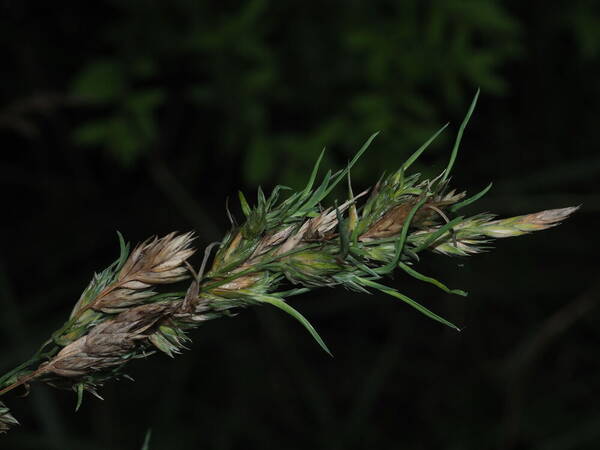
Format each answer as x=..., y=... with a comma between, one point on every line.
x=145, y=116
x=238, y=70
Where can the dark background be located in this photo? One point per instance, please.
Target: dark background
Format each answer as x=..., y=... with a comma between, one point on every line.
x=144, y=116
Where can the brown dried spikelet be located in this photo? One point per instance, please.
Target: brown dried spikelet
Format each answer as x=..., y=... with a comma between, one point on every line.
x=108, y=343
x=155, y=261
x=391, y=223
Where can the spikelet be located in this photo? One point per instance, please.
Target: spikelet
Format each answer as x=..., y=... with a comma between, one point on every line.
x=519, y=225
x=7, y=420
x=472, y=235
x=108, y=344
x=155, y=261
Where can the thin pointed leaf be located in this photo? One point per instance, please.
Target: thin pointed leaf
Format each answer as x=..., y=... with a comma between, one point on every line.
x=422, y=148
x=279, y=303
x=394, y=293
x=327, y=186
x=301, y=197
x=245, y=206
x=124, y=251
x=313, y=176
x=262, y=201
x=316, y=197
x=275, y=194
x=288, y=206
x=353, y=161
x=459, y=136
x=472, y=199
x=419, y=276
x=80, y=389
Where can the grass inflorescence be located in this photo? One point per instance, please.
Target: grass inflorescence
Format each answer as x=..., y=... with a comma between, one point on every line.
x=283, y=248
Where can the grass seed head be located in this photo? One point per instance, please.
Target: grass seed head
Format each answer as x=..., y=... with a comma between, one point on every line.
x=119, y=316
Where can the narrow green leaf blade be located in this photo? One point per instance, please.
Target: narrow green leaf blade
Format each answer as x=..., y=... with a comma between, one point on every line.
x=262, y=201
x=275, y=195
x=472, y=199
x=123, y=251
x=313, y=176
x=419, y=276
x=319, y=194
x=245, y=206
x=394, y=293
x=422, y=148
x=459, y=136
x=80, y=389
x=279, y=303
x=353, y=161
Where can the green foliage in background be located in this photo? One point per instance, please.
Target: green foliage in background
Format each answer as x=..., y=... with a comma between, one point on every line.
x=129, y=127
x=368, y=69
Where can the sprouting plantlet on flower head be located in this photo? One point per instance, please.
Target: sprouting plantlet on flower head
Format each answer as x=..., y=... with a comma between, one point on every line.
x=284, y=248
